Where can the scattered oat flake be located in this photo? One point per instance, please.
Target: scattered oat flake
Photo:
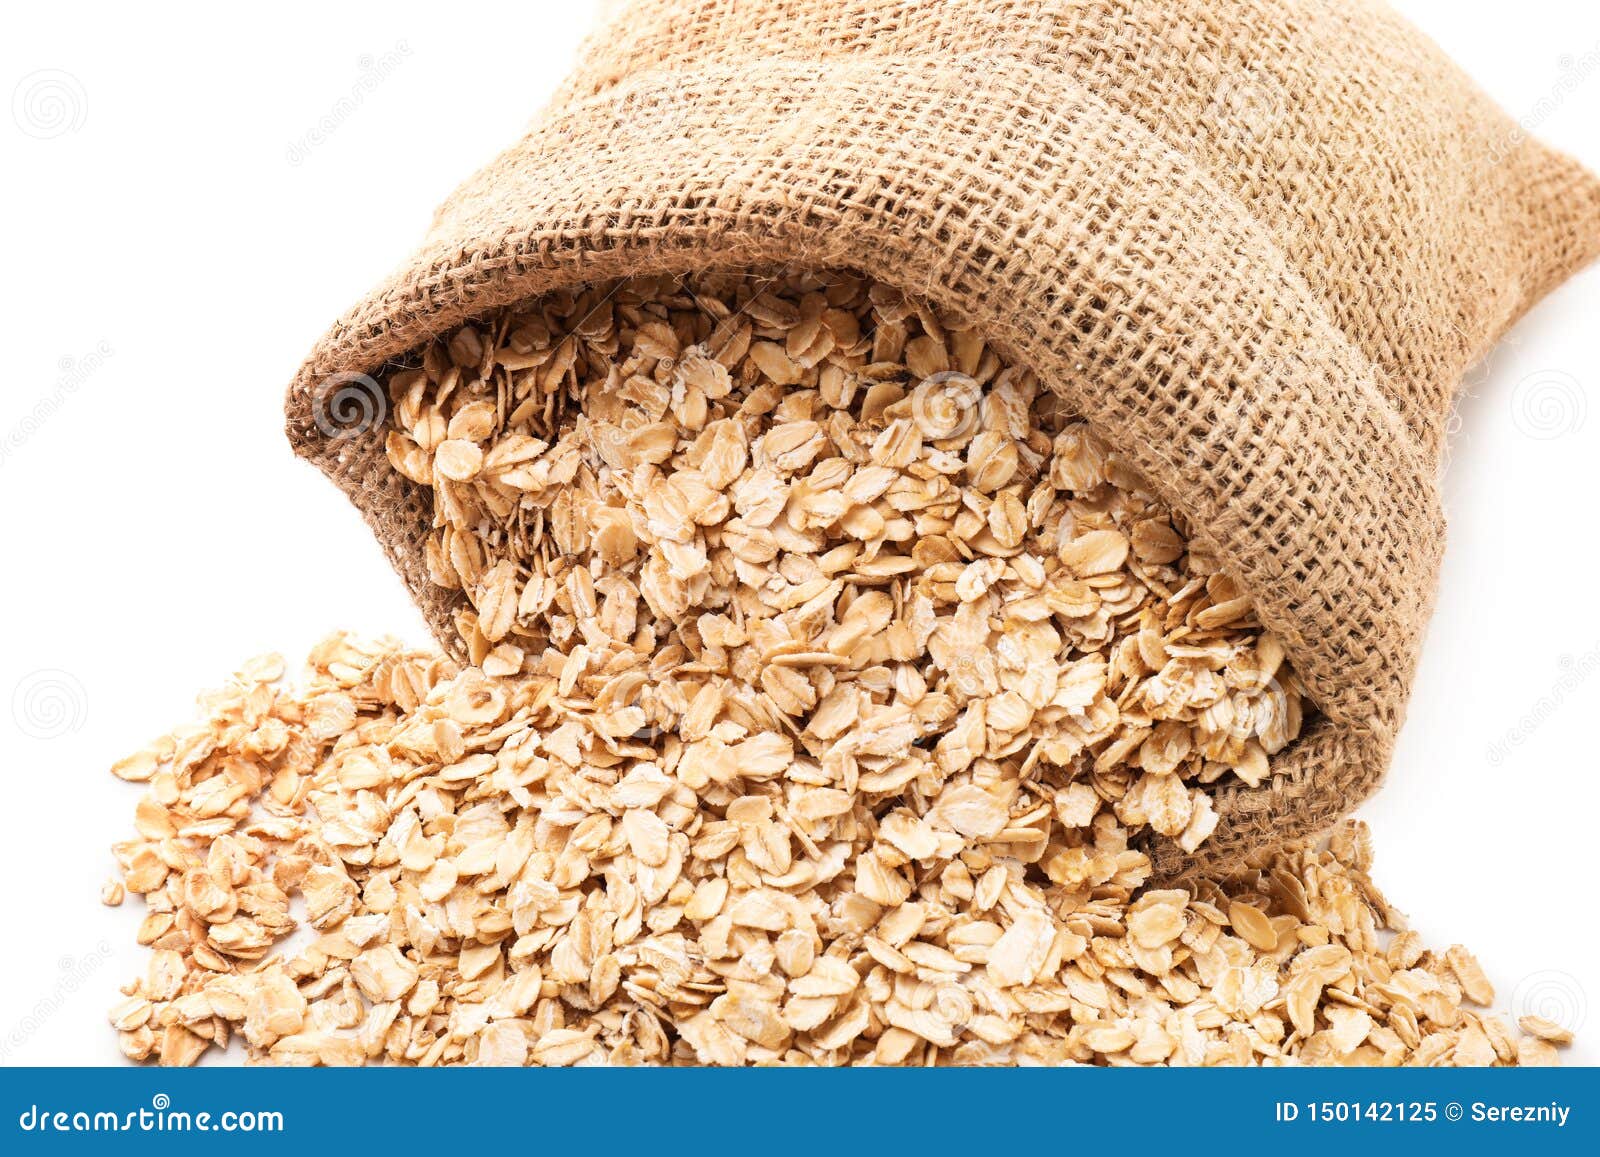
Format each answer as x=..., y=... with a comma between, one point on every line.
x=1544, y=1029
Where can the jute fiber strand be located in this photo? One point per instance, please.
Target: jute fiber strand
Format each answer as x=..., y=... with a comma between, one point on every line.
x=1255, y=242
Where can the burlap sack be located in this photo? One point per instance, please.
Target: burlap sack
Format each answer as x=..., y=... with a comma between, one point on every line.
x=1256, y=242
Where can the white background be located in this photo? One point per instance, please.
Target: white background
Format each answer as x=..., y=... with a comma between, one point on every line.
x=172, y=213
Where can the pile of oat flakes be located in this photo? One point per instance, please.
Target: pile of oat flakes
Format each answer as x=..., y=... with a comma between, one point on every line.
x=826, y=678
x=490, y=878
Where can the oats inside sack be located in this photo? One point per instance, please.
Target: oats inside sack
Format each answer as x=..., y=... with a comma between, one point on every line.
x=807, y=512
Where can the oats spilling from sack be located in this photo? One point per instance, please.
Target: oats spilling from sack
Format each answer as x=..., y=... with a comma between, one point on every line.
x=803, y=520
x=494, y=872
